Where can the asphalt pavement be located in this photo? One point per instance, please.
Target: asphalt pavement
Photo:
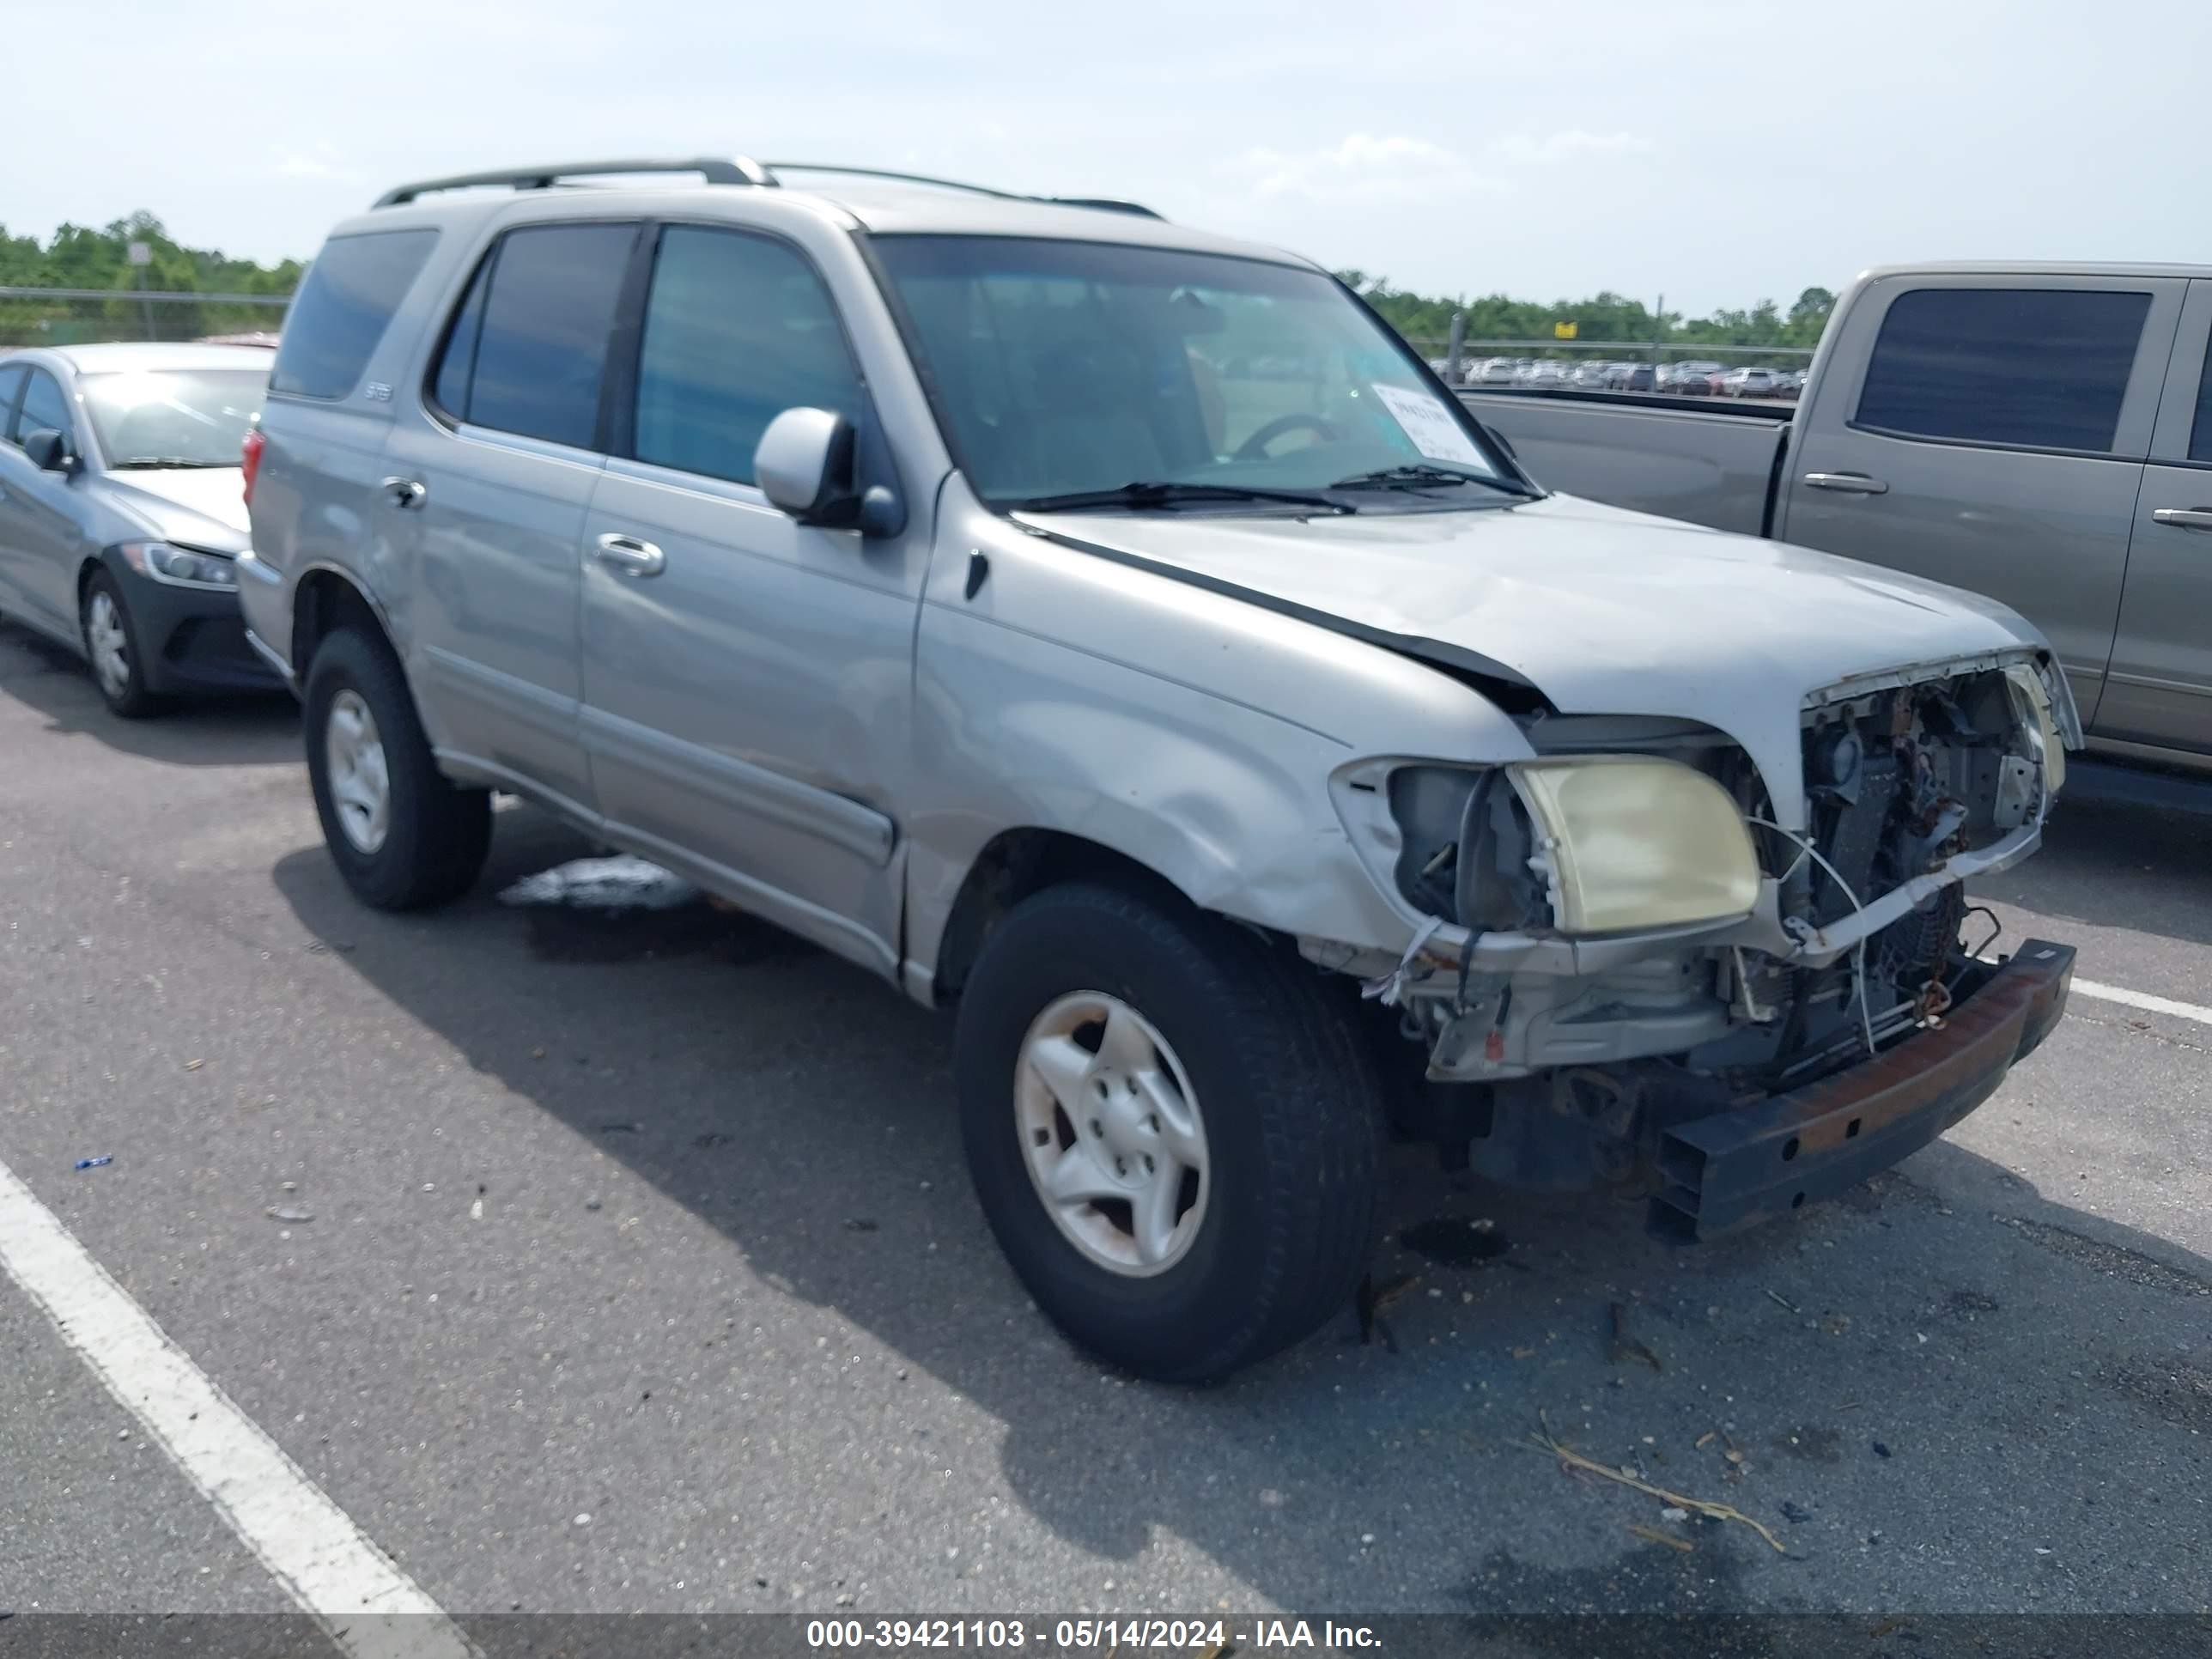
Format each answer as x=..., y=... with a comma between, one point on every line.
x=640, y=1273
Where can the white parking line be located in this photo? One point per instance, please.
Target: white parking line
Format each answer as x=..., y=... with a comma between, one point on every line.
x=357, y=1594
x=2151, y=1005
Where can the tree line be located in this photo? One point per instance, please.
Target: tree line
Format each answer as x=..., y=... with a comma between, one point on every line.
x=1605, y=316
x=80, y=256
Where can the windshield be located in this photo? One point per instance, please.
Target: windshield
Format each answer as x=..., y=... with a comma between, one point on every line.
x=1065, y=367
x=173, y=417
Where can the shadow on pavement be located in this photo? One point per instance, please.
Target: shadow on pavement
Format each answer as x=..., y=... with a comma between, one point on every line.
x=255, y=729
x=1943, y=1355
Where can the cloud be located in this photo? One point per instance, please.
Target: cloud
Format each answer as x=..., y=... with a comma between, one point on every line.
x=1363, y=167
x=1571, y=144
x=321, y=166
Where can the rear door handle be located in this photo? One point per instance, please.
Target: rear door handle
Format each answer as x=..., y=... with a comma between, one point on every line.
x=1851, y=484
x=630, y=555
x=2183, y=518
x=404, y=492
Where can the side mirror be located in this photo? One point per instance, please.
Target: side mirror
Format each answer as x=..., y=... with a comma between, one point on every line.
x=807, y=465
x=47, y=450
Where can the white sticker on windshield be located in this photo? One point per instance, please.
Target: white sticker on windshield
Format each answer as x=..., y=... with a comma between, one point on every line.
x=1429, y=425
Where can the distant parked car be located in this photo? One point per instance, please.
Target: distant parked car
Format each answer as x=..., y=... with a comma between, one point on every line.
x=1747, y=382
x=1495, y=371
x=1593, y=377
x=122, y=511
x=1545, y=371
x=1636, y=377
x=1697, y=380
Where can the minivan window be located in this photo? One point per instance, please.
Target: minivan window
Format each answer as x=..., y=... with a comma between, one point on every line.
x=738, y=329
x=541, y=345
x=44, y=406
x=2045, y=368
x=343, y=308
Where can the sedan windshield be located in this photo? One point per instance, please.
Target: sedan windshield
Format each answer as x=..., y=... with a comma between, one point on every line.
x=1068, y=369
x=173, y=417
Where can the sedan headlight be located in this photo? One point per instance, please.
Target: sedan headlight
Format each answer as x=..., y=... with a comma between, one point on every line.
x=1629, y=843
x=180, y=567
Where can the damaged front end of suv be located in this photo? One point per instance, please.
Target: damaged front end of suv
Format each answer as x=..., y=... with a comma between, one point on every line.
x=1640, y=965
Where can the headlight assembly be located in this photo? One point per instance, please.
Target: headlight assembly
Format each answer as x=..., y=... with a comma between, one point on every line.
x=1631, y=844
x=2035, y=697
x=180, y=567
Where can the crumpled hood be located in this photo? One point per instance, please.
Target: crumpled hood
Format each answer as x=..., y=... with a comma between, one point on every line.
x=1603, y=610
x=199, y=507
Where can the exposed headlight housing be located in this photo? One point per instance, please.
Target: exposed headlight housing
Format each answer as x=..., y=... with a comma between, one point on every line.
x=2035, y=697
x=180, y=567
x=1629, y=844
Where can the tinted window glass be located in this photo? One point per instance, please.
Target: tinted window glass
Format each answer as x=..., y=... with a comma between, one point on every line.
x=11, y=382
x=2200, y=436
x=543, y=343
x=343, y=309
x=43, y=406
x=459, y=361
x=738, y=329
x=2046, y=368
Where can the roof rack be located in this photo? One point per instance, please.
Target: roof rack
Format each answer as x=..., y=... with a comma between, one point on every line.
x=715, y=169
x=730, y=170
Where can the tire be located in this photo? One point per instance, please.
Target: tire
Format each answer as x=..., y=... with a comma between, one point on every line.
x=429, y=845
x=1286, y=1095
x=112, y=650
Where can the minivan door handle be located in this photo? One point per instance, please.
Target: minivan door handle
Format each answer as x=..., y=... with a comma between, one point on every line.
x=404, y=492
x=1851, y=484
x=2183, y=518
x=629, y=556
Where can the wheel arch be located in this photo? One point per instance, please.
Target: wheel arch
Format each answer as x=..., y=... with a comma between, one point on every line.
x=325, y=600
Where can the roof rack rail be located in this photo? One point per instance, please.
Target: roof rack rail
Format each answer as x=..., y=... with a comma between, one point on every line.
x=715, y=169
x=1107, y=204
x=729, y=170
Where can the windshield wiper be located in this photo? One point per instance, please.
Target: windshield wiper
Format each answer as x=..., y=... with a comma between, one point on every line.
x=160, y=463
x=1413, y=475
x=1155, y=493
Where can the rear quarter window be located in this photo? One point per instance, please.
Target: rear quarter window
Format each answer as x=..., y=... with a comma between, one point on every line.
x=2040, y=368
x=348, y=299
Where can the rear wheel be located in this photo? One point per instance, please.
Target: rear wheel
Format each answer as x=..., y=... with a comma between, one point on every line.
x=1174, y=1131
x=402, y=835
x=110, y=646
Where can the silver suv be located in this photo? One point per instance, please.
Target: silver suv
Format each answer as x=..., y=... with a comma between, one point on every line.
x=1116, y=632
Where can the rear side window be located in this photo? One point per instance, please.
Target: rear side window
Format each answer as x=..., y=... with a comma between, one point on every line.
x=738, y=329
x=2044, y=368
x=2200, y=435
x=343, y=309
x=528, y=346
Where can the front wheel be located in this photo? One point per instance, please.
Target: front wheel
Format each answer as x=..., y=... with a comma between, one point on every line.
x=111, y=645
x=1174, y=1131
x=402, y=835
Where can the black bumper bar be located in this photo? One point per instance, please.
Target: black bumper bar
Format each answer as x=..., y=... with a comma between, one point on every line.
x=1735, y=1169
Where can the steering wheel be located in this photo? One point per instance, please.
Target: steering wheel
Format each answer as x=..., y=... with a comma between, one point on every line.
x=1255, y=448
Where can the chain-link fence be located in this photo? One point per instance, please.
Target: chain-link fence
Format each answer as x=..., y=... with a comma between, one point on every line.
x=78, y=316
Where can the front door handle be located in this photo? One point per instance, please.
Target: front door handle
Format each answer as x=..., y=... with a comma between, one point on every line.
x=630, y=555
x=404, y=492
x=2183, y=518
x=1850, y=483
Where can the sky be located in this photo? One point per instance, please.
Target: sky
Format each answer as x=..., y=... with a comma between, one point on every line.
x=1715, y=151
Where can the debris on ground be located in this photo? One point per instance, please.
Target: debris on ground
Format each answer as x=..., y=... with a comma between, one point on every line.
x=1880, y=1451
x=621, y=1129
x=1794, y=1514
x=709, y=1141
x=1624, y=1347
x=289, y=1212
x=95, y=1162
x=1524, y=1353
x=1785, y=1302
x=475, y=1210
x=1372, y=1298
x=1455, y=1241
x=1672, y=1513
x=1707, y=1438
x=1571, y=1459
x=612, y=884
x=860, y=1224
x=194, y=1064
x=1654, y=1535
x=592, y=1203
